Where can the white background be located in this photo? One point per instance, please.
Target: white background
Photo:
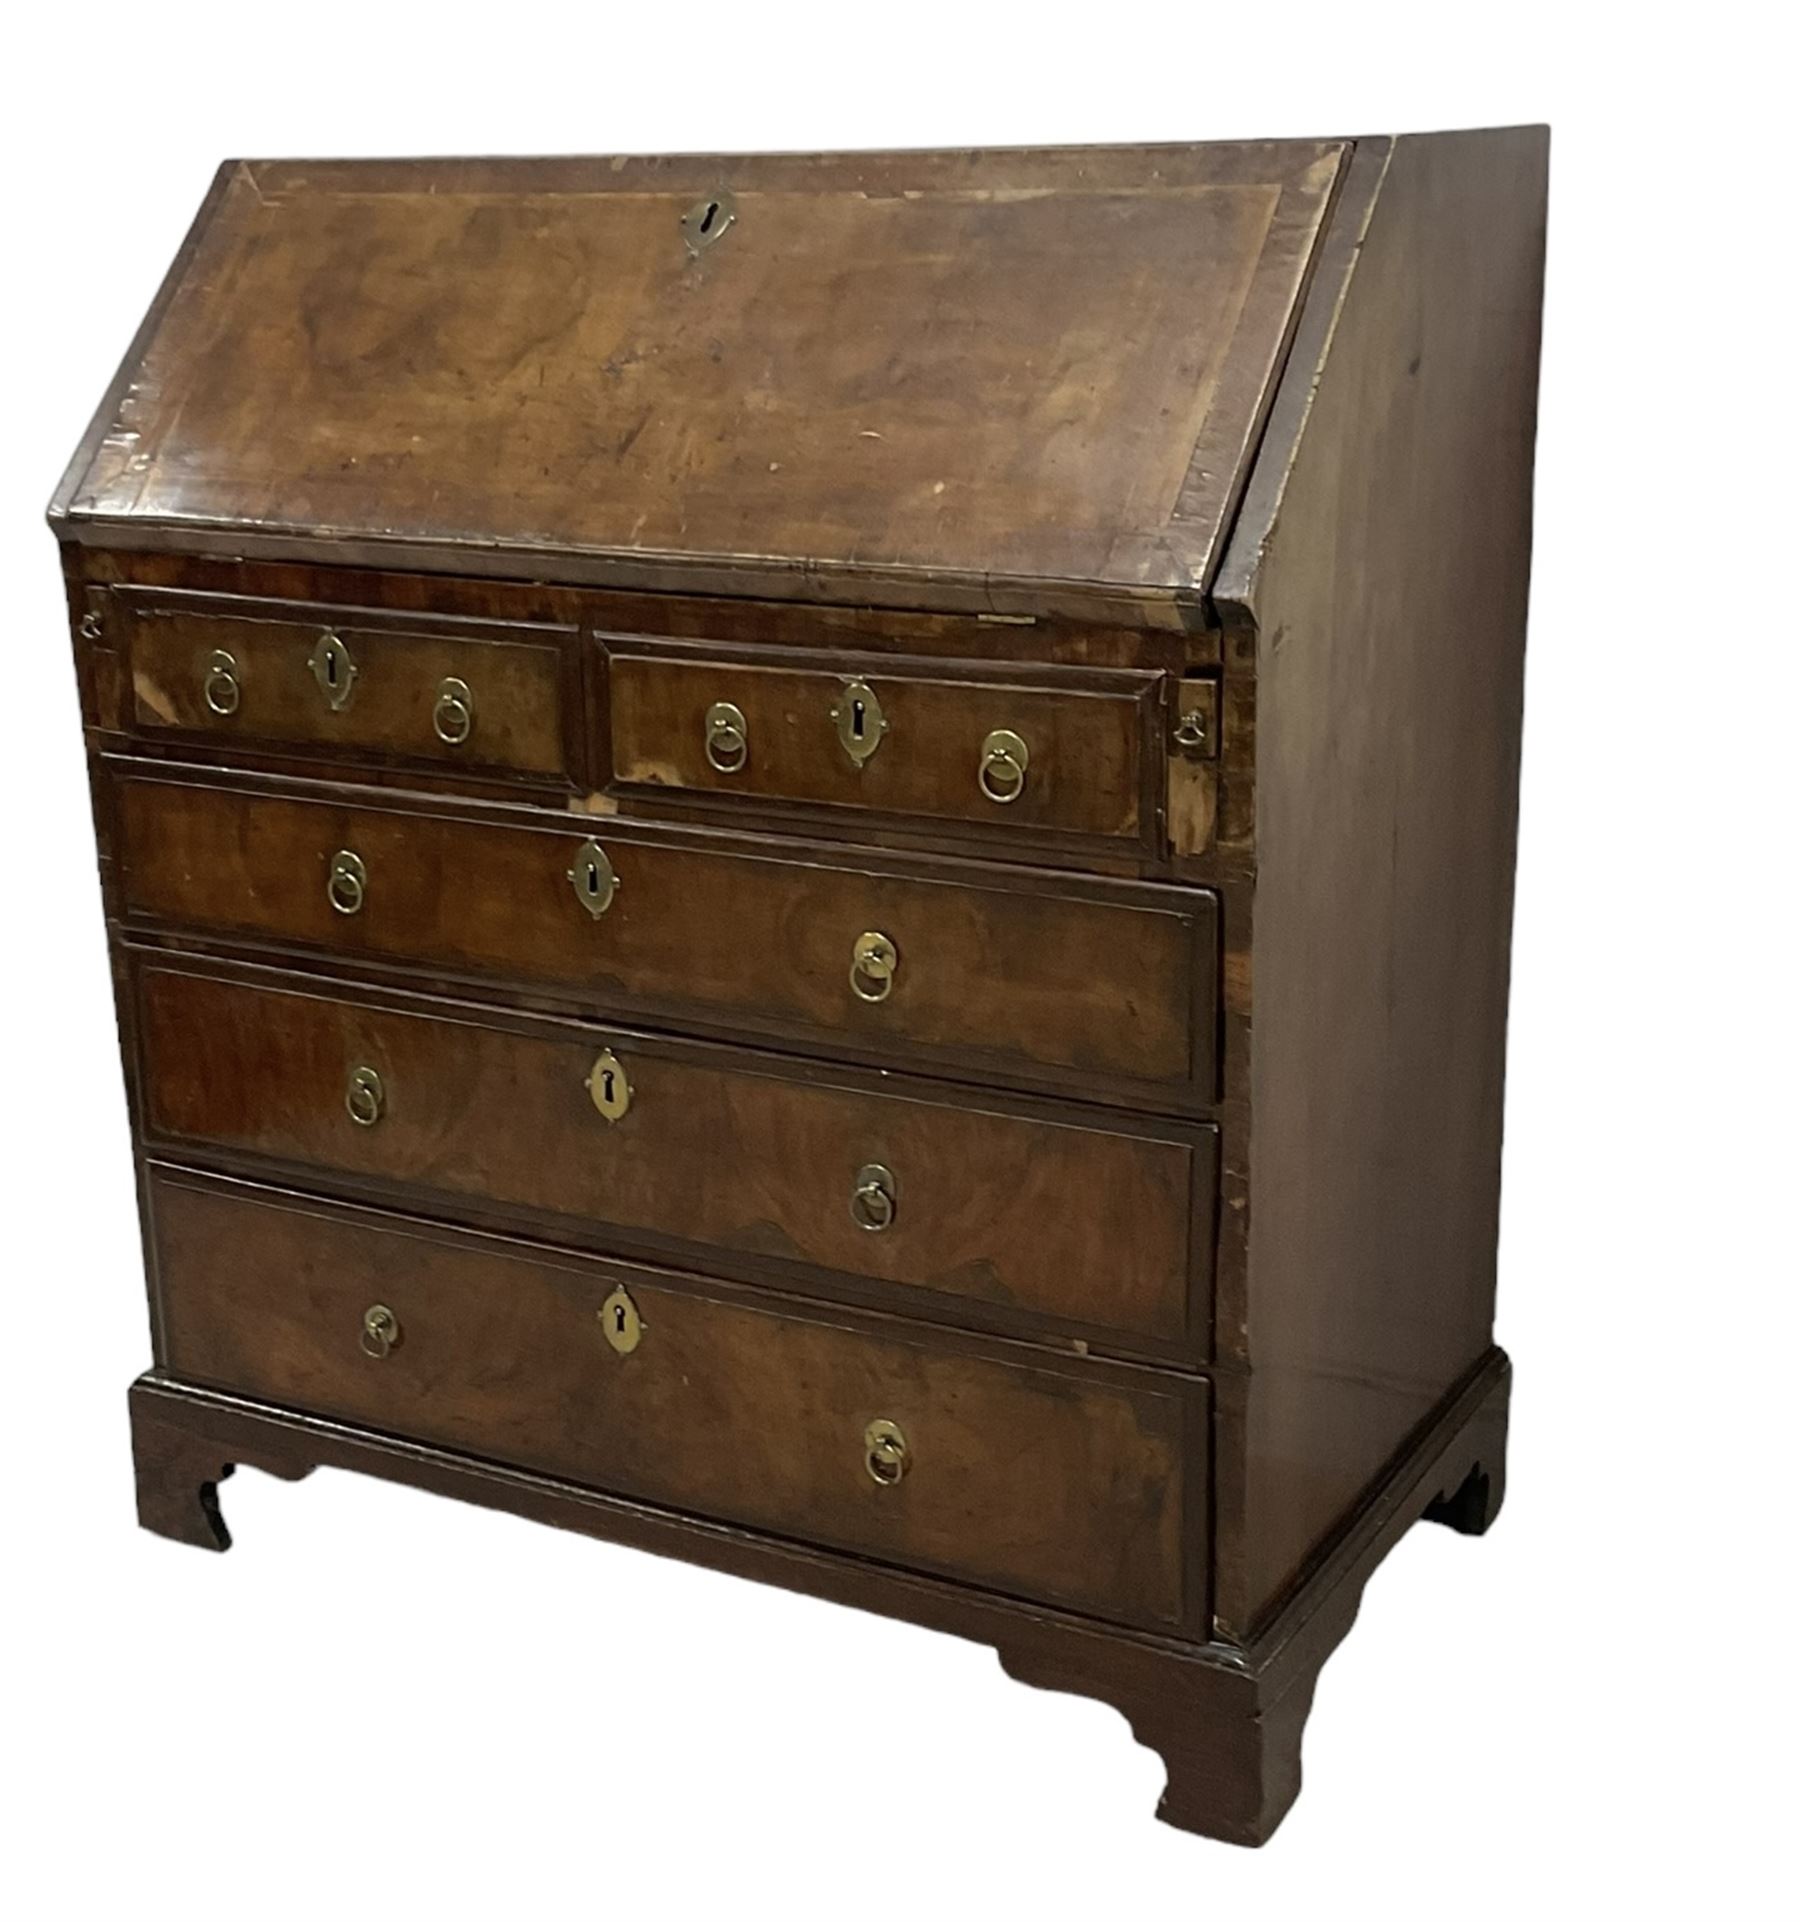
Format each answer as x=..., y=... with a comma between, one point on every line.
x=382, y=1705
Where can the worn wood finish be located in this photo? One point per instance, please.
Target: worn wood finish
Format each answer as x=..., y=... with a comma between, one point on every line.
x=1227, y=1722
x=1066, y=1487
x=1018, y=971
x=947, y=370
x=515, y=677
x=1205, y=471
x=1385, y=583
x=1086, y=744
x=719, y=1152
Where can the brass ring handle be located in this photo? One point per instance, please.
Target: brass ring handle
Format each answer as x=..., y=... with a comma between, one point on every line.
x=347, y=885
x=380, y=1332
x=1004, y=759
x=453, y=715
x=874, y=1198
x=886, y=1454
x=91, y=626
x=727, y=737
x=874, y=961
x=365, y=1097
x=221, y=685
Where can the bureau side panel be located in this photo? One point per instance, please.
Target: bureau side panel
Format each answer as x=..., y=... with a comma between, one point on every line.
x=1383, y=569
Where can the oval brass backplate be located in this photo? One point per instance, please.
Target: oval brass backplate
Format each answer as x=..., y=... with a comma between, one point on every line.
x=620, y=1322
x=874, y=961
x=607, y=1084
x=347, y=883
x=221, y=683
x=593, y=879
x=1001, y=770
x=380, y=1331
x=365, y=1096
x=874, y=1198
x=860, y=721
x=727, y=737
x=886, y=1454
x=334, y=670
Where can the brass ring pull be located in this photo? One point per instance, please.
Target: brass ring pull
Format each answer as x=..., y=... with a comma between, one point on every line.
x=365, y=1097
x=1004, y=759
x=380, y=1332
x=885, y=1452
x=727, y=737
x=874, y=1199
x=874, y=961
x=221, y=685
x=347, y=886
x=453, y=716
x=91, y=625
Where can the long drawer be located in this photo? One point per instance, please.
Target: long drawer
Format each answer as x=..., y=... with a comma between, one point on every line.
x=1014, y=972
x=1040, y=1217
x=1060, y=1482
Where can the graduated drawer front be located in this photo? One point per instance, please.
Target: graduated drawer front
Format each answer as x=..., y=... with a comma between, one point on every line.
x=1061, y=1482
x=455, y=693
x=940, y=745
x=1017, y=972
x=1073, y=1221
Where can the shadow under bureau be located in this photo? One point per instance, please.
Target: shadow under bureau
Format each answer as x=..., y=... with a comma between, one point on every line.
x=809, y=864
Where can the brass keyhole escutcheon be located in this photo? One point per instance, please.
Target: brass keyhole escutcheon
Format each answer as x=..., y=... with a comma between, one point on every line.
x=706, y=220
x=874, y=961
x=874, y=1198
x=886, y=1454
x=593, y=879
x=859, y=720
x=335, y=670
x=1001, y=773
x=727, y=737
x=608, y=1085
x=221, y=684
x=365, y=1097
x=620, y=1322
x=347, y=885
x=380, y=1332
x=453, y=713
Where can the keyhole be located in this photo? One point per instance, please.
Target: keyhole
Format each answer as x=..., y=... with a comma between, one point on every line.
x=711, y=214
x=619, y=1318
x=856, y=719
x=606, y=1086
x=591, y=878
x=331, y=669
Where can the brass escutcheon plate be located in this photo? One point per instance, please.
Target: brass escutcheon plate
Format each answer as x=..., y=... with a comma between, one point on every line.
x=608, y=1085
x=335, y=670
x=593, y=879
x=860, y=721
x=620, y=1322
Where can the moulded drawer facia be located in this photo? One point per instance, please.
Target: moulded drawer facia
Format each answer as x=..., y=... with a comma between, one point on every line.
x=1073, y=1220
x=1016, y=972
x=1053, y=755
x=464, y=694
x=1064, y=1483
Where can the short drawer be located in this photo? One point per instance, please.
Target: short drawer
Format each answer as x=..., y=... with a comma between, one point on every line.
x=1086, y=984
x=1057, y=751
x=1034, y=1216
x=1063, y=1482
x=453, y=693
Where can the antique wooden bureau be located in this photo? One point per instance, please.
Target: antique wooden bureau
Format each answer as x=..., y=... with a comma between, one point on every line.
x=809, y=863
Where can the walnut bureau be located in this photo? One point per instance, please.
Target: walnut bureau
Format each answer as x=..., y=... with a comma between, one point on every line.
x=809, y=864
